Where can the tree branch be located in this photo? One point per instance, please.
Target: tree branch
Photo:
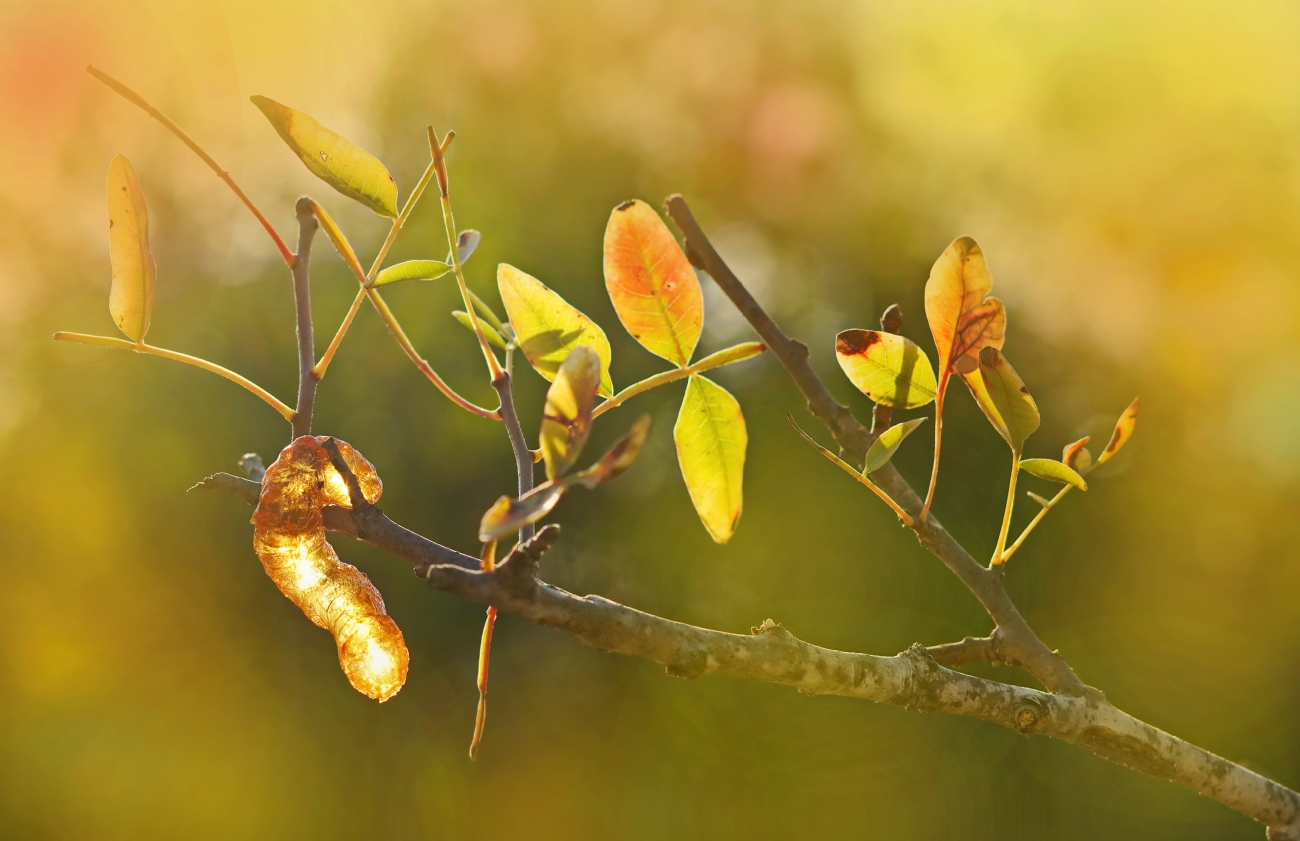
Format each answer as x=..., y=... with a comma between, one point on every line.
x=912, y=679
x=307, y=378
x=1019, y=640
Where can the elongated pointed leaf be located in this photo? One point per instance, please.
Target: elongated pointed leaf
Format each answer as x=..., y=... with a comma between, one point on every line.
x=1008, y=405
x=1077, y=455
x=711, y=439
x=130, y=298
x=547, y=327
x=962, y=319
x=566, y=420
x=346, y=167
x=651, y=283
x=886, y=367
x=1123, y=431
x=1053, y=471
x=617, y=458
x=510, y=515
x=412, y=270
x=884, y=447
x=489, y=332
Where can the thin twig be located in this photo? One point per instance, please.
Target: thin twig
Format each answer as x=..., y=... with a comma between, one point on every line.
x=523, y=455
x=307, y=378
x=728, y=356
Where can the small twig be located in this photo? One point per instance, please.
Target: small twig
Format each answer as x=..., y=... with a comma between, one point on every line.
x=355, y=495
x=307, y=378
x=728, y=356
x=1038, y=518
x=523, y=455
x=891, y=321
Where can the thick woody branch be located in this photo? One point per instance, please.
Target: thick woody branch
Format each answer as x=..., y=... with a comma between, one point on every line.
x=913, y=679
x=1019, y=640
x=302, y=301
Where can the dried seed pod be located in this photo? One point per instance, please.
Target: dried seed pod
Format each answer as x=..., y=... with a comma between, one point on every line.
x=289, y=538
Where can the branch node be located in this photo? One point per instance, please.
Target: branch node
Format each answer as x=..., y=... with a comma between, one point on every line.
x=1030, y=716
x=522, y=562
x=358, y=499
x=691, y=666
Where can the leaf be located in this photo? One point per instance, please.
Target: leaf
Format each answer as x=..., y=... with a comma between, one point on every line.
x=130, y=298
x=547, y=327
x=1053, y=471
x=411, y=270
x=466, y=243
x=886, y=367
x=884, y=447
x=617, y=458
x=510, y=515
x=651, y=283
x=566, y=420
x=711, y=438
x=1007, y=401
x=346, y=167
x=1077, y=456
x=962, y=319
x=488, y=330
x=1123, y=431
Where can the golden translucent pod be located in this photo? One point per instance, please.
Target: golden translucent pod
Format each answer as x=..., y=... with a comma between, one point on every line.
x=289, y=538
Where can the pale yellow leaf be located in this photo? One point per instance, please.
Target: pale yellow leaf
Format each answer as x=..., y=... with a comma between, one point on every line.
x=130, y=298
x=547, y=327
x=711, y=439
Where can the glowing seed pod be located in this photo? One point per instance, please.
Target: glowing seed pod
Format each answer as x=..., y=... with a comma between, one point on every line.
x=289, y=538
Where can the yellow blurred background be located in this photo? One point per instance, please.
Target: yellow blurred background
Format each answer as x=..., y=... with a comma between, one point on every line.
x=1130, y=169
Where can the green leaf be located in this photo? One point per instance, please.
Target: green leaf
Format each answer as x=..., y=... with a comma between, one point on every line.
x=888, y=368
x=411, y=270
x=884, y=447
x=1053, y=471
x=1123, y=431
x=566, y=419
x=488, y=331
x=711, y=439
x=547, y=327
x=130, y=298
x=346, y=167
x=1005, y=399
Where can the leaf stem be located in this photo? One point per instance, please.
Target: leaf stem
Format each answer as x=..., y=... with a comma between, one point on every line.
x=123, y=344
x=852, y=471
x=139, y=101
x=728, y=356
x=393, y=231
x=1042, y=512
x=938, y=439
x=437, y=151
x=484, y=653
x=998, y=558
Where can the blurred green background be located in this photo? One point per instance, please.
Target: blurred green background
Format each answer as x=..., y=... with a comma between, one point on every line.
x=1130, y=170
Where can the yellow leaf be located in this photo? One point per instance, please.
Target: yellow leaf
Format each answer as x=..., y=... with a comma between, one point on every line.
x=566, y=420
x=130, y=299
x=1076, y=456
x=961, y=318
x=1008, y=403
x=346, y=167
x=884, y=447
x=1053, y=471
x=510, y=515
x=711, y=438
x=547, y=327
x=886, y=367
x=651, y=283
x=411, y=270
x=1123, y=431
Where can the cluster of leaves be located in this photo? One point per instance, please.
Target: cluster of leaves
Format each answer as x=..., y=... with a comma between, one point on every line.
x=969, y=328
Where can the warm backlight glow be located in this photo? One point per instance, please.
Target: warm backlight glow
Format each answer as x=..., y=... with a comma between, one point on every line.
x=289, y=537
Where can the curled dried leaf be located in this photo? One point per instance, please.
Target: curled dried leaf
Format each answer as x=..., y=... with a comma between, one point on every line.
x=1076, y=456
x=289, y=538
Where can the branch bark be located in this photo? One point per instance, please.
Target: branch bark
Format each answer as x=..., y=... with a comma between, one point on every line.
x=307, y=380
x=912, y=679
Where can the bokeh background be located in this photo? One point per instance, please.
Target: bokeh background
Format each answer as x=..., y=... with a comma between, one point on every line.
x=1130, y=169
